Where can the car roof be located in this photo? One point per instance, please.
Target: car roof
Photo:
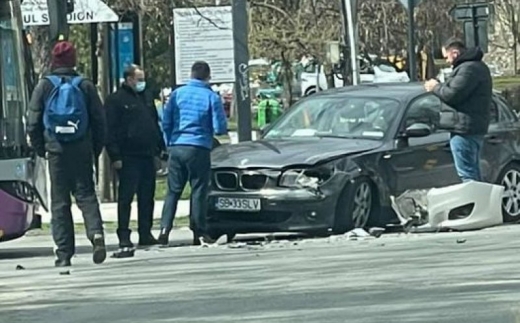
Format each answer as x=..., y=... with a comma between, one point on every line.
x=402, y=91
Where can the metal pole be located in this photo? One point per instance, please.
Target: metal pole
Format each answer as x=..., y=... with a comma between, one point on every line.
x=475, y=25
x=352, y=40
x=412, y=59
x=173, y=59
x=94, y=70
x=344, y=48
x=59, y=26
x=242, y=90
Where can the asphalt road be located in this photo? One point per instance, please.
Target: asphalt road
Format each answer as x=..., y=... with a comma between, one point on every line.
x=449, y=277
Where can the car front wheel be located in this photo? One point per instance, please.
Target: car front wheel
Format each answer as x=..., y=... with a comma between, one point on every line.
x=510, y=179
x=355, y=206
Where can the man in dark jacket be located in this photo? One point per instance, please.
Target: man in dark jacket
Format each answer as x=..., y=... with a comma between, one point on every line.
x=134, y=144
x=71, y=164
x=468, y=90
x=193, y=115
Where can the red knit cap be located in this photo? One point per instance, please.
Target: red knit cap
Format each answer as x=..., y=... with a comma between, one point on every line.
x=63, y=55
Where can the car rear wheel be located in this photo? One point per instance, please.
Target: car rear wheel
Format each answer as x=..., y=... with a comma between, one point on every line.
x=510, y=179
x=355, y=206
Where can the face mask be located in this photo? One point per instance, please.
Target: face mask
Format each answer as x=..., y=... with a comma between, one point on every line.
x=139, y=87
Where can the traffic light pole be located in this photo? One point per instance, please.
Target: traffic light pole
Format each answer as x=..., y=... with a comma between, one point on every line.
x=412, y=55
x=474, y=20
x=59, y=26
x=242, y=90
x=351, y=15
x=474, y=17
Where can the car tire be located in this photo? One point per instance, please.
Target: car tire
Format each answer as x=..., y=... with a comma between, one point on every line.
x=510, y=179
x=355, y=206
x=310, y=91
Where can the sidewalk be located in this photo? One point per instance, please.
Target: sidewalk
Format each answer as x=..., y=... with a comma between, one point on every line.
x=109, y=211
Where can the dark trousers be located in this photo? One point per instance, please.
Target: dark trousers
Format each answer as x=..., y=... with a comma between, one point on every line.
x=193, y=164
x=137, y=176
x=72, y=172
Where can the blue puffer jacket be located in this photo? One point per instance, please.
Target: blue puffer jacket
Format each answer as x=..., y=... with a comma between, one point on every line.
x=193, y=115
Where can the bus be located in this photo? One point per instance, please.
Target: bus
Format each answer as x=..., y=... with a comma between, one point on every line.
x=23, y=187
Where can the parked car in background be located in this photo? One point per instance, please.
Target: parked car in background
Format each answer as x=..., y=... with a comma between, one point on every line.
x=371, y=74
x=445, y=72
x=332, y=161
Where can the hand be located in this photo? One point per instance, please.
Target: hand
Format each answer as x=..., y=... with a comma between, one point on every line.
x=157, y=163
x=117, y=165
x=164, y=156
x=430, y=84
x=41, y=153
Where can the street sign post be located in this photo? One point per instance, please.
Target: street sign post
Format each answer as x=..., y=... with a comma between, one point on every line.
x=351, y=19
x=241, y=56
x=412, y=55
x=123, y=48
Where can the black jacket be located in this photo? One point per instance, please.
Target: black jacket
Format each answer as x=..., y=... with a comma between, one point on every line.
x=469, y=90
x=133, y=125
x=42, y=142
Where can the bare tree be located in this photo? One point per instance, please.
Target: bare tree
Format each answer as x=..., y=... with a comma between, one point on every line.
x=508, y=20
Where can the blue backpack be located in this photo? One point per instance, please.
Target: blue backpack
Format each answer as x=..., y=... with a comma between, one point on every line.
x=66, y=116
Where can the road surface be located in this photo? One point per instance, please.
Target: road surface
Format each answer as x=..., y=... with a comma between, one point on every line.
x=450, y=277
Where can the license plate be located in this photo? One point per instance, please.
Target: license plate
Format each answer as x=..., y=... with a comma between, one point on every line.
x=238, y=204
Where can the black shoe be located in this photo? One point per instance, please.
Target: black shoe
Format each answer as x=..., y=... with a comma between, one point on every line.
x=126, y=243
x=62, y=263
x=207, y=240
x=148, y=240
x=124, y=253
x=164, y=238
x=196, y=240
x=99, y=253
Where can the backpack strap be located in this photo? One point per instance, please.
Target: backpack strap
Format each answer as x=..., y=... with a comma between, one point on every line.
x=76, y=80
x=54, y=79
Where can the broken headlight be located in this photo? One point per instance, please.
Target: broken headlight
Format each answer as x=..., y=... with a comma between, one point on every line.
x=306, y=178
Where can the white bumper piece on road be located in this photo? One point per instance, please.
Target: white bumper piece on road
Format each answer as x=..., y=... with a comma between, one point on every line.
x=467, y=206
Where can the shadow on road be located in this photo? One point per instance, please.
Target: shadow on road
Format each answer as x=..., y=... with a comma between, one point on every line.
x=47, y=251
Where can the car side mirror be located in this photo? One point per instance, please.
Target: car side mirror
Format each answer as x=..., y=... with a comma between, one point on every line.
x=418, y=130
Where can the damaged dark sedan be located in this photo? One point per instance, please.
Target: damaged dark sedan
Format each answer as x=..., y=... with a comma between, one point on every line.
x=332, y=161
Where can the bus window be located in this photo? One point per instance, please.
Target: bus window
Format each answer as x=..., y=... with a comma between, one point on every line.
x=14, y=96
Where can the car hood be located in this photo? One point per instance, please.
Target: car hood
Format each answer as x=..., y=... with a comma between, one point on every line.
x=284, y=153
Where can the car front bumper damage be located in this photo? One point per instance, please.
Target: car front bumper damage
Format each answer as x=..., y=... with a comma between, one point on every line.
x=280, y=210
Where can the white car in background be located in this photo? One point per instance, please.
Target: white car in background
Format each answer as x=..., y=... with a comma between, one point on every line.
x=377, y=74
x=445, y=72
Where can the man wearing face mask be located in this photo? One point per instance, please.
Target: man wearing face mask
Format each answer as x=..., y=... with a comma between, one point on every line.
x=134, y=145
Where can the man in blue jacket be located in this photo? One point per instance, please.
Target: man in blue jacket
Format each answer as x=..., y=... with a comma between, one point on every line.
x=192, y=116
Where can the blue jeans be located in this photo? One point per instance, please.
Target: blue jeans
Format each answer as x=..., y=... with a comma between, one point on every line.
x=193, y=164
x=466, y=156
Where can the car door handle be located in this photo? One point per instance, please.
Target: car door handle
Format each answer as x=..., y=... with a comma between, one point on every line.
x=495, y=140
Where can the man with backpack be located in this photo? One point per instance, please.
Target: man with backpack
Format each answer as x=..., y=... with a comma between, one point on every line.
x=135, y=143
x=66, y=124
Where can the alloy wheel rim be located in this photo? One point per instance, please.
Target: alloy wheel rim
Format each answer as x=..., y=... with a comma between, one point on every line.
x=362, y=205
x=511, y=198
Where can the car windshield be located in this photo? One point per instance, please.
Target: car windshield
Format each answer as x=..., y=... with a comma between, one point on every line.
x=337, y=116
